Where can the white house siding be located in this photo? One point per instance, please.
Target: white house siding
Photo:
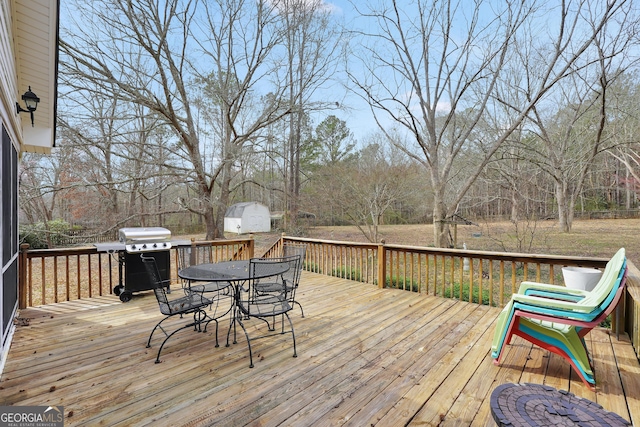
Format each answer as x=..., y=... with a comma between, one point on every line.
x=8, y=181
x=28, y=56
x=8, y=74
x=35, y=26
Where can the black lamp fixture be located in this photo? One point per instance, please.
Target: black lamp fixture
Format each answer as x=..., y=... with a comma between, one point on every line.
x=31, y=101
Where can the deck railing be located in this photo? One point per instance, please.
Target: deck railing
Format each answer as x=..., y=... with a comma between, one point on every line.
x=481, y=277
x=55, y=275
x=630, y=312
x=454, y=273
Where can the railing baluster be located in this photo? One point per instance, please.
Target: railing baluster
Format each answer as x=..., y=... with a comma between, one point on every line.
x=55, y=279
x=471, y=279
x=490, y=282
x=100, y=274
x=442, y=269
x=480, y=280
x=67, y=281
x=44, y=290
x=78, y=277
x=452, y=268
x=501, y=283
x=461, y=266
x=90, y=276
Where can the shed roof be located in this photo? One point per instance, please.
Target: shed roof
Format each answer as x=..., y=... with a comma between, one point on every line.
x=235, y=211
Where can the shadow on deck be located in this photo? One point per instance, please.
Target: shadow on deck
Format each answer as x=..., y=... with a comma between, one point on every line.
x=365, y=357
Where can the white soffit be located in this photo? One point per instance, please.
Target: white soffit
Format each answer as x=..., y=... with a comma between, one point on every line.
x=36, y=47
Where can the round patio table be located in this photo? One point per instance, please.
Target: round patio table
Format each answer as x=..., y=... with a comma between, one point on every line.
x=234, y=273
x=538, y=405
x=227, y=271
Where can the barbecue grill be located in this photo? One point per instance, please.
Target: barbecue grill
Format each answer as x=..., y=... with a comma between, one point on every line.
x=133, y=241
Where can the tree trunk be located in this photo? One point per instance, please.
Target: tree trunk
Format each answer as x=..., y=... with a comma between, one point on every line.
x=514, y=206
x=565, y=214
x=440, y=225
x=210, y=224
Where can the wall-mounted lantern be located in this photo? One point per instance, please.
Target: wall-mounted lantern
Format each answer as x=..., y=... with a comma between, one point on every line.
x=31, y=101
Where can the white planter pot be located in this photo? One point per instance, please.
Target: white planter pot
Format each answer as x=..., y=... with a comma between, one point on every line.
x=581, y=277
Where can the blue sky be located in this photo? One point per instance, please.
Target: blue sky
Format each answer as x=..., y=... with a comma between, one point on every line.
x=353, y=109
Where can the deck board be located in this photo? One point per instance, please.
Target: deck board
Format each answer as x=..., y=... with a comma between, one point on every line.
x=365, y=357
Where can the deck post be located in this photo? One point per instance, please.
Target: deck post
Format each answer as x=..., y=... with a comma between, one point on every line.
x=252, y=246
x=382, y=264
x=22, y=276
x=193, y=255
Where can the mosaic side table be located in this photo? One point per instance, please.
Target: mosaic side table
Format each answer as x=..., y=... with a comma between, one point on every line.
x=538, y=405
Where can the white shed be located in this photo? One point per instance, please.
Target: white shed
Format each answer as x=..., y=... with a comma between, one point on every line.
x=247, y=217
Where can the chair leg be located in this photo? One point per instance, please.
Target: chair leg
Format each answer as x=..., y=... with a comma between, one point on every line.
x=167, y=339
x=232, y=324
x=198, y=316
x=158, y=325
x=212, y=319
x=248, y=342
x=299, y=305
x=293, y=335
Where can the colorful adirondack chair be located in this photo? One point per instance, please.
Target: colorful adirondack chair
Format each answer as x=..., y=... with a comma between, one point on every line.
x=557, y=318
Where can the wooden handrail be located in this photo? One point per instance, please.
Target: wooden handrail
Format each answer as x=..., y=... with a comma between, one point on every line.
x=65, y=274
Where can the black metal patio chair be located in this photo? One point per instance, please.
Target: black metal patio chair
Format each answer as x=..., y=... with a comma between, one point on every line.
x=291, y=277
x=219, y=292
x=293, y=249
x=192, y=303
x=252, y=302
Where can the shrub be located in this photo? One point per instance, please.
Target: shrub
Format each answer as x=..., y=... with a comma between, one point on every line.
x=347, y=273
x=465, y=294
x=402, y=283
x=44, y=235
x=312, y=267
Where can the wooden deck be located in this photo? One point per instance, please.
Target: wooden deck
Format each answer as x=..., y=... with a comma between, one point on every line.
x=365, y=357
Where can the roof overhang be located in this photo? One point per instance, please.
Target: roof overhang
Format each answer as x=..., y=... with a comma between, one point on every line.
x=36, y=25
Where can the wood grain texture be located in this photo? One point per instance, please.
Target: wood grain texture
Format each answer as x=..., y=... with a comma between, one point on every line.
x=366, y=356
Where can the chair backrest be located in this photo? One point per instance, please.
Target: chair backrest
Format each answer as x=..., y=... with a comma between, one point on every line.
x=612, y=300
x=184, y=257
x=611, y=277
x=284, y=271
x=292, y=276
x=159, y=285
x=292, y=250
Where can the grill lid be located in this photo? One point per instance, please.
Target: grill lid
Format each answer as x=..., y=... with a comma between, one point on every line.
x=143, y=235
x=142, y=239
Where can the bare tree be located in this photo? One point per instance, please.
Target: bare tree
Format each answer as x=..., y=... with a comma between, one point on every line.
x=365, y=187
x=438, y=83
x=157, y=54
x=312, y=43
x=575, y=134
x=623, y=130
